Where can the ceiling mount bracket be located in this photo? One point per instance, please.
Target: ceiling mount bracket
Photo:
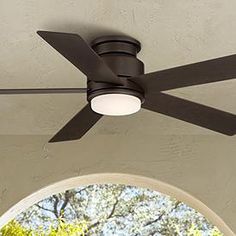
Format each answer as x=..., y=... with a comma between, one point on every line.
x=116, y=44
x=119, y=53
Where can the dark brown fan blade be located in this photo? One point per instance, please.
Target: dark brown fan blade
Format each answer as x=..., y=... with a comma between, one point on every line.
x=77, y=126
x=81, y=55
x=191, y=112
x=210, y=71
x=42, y=91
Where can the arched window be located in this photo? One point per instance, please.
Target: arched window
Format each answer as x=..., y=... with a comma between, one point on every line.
x=110, y=209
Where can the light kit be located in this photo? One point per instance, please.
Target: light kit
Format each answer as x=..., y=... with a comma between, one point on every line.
x=115, y=104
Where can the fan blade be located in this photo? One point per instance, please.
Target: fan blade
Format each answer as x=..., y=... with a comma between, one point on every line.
x=77, y=126
x=191, y=112
x=81, y=55
x=210, y=71
x=42, y=91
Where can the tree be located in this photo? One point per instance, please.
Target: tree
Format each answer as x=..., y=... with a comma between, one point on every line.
x=115, y=209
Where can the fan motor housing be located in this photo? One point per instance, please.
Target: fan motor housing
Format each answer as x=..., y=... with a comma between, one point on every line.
x=119, y=53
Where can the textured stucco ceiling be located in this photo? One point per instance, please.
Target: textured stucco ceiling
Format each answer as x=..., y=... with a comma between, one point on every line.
x=172, y=33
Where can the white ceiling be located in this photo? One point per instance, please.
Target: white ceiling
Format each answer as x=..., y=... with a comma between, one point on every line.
x=172, y=33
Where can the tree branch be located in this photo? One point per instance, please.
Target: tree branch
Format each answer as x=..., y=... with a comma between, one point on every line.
x=55, y=206
x=111, y=213
x=113, y=208
x=43, y=208
x=162, y=214
x=68, y=195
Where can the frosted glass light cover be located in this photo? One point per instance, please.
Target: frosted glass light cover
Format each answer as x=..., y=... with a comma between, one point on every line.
x=115, y=104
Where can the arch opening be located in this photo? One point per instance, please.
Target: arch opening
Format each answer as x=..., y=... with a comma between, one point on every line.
x=114, y=204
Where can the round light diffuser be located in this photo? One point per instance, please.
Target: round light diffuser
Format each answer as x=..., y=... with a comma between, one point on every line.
x=115, y=104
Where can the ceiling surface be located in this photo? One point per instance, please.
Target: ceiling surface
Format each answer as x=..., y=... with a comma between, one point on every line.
x=172, y=33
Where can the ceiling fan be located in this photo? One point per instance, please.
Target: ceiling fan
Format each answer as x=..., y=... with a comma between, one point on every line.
x=117, y=85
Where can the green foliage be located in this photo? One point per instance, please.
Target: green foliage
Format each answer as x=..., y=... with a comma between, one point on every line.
x=63, y=229
x=193, y=231
x=216, y=232
x=13, y=228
